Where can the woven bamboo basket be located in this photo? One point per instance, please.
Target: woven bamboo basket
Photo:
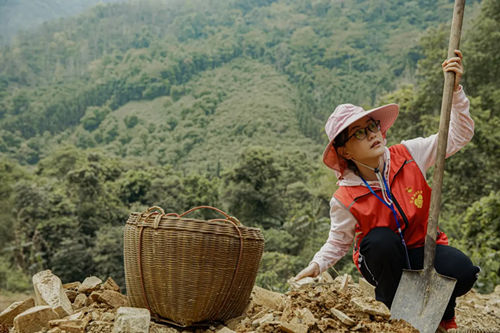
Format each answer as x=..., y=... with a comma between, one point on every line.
x=189, y=271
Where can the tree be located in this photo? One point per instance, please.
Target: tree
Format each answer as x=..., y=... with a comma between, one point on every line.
x=73, y=260
x=93, y=117
x=107, y=254
x=253, y=190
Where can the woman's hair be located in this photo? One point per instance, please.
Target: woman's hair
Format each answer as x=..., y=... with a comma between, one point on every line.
x=340, y=141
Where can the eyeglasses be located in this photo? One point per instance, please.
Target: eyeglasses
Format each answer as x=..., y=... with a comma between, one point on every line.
x=360, y=134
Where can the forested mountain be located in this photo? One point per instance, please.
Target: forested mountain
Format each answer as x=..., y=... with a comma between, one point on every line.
x=182, y=103
x=79, y=72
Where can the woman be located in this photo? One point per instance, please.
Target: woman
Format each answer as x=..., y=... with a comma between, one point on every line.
x=383, y=198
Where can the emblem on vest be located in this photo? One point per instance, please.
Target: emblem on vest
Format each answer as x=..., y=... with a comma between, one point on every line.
x=417, y=199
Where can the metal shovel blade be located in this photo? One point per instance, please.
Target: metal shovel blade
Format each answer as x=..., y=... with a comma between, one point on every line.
x=421, y=298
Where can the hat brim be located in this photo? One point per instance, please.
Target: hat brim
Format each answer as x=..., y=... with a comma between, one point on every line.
x=386, y=114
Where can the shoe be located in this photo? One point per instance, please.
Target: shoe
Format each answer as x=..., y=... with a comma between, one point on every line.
x=447, y=324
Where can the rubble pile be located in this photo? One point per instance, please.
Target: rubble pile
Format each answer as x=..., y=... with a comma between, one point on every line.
x=76, y=307
x=329, y=306
x=313, y=305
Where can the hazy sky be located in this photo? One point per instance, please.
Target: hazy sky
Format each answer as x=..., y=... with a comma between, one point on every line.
x=18, y=15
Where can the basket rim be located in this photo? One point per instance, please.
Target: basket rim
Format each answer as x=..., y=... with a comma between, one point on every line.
x=241, y=226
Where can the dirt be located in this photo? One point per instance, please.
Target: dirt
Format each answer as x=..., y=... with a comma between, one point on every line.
x=333, y=306
x=479, y=311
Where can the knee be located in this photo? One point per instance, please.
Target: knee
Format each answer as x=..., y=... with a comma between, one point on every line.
x=466, y=278
x=452, y=262
x=382, y=241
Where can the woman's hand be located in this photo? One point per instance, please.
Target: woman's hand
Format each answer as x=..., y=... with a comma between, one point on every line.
x=454, y=65
x=312, y=270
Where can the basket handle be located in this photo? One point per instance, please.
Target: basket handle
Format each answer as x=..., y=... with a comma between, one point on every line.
x=153, y=208
x=159, y=213
x=230, y=218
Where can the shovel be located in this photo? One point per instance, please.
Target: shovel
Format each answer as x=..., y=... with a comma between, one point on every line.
x=422, y=295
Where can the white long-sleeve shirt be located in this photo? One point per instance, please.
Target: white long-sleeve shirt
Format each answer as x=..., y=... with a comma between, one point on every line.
x=423, y=151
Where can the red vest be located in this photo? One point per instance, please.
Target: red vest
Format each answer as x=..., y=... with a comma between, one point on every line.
x=411, y=191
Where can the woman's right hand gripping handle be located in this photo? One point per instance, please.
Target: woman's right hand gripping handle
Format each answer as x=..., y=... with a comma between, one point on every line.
x=312, y=270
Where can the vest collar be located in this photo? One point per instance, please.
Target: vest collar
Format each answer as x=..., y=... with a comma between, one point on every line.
x=354, y=185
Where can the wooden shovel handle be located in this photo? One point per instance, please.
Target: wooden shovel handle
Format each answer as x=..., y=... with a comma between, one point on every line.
x=437, y=180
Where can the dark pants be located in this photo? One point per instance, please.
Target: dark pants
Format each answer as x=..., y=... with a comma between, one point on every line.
x=382, y=259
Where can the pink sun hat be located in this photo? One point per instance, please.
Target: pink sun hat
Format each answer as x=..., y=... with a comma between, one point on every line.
x=346, y=114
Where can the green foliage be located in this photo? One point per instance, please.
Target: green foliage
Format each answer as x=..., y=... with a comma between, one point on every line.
x=280, y=241
x=73, y=269
x=483, y=43
x=329, y=52
x=477, y=226
x=134, y=185
x=274, y=268
x=93, y=117
x=12, y=278
x=10, y=174
x=107, y=254
x=253, y=189
x=131, y=121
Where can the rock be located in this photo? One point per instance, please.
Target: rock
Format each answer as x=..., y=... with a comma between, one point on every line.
x=225, y=330
x=157, y=328
x=343, y=281
x=109, y=297
x=372, y=307
x=7, y=316
x=306, y=317
x=107, y=316
x=95, y=316
x=326, y=277
x=360, y=327
x=32, y=320
x=263, y=320
x=72, y=294
x=296, y=284
x=90, y=284
x=72, y=285
x=80, y=301
x=287, y=312
x=233, y=322
x=366, y=288
x=76, y=315
x=49, y=291
x=293, y=327
x=132, y=320
x=267, y=298
x=110, y=284
x=497, y=290
x=70, y=325
x=101, y=327
x=343, y=317
x=71, y=290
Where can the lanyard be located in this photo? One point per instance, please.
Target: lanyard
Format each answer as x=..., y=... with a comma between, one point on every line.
x=391, y=207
